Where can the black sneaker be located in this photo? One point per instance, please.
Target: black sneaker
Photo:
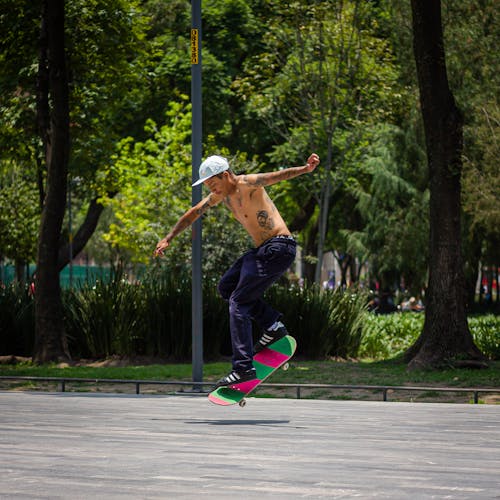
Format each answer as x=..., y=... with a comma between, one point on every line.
x=236, y=378
x=269, y=337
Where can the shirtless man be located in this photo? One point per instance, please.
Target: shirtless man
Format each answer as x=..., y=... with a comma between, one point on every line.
x=244, y=284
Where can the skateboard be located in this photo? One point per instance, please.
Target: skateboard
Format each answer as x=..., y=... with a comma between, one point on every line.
x=265, y=362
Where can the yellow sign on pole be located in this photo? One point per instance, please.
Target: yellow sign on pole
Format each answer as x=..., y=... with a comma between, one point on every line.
x=194, y=46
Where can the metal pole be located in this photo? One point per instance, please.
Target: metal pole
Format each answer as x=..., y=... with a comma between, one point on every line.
x=196, y=144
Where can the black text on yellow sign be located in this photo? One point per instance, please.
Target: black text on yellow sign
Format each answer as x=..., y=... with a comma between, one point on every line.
x=194, y=46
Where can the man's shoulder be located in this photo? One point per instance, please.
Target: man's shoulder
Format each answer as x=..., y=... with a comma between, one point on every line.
x=249, y=181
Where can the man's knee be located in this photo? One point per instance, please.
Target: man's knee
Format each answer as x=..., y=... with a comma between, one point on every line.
x=238, y=308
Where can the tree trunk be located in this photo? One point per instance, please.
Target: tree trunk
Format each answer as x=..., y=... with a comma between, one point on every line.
x=298, y=224
x=50, y=337
x=446, y=337
x=20, y=266
x=343, y=261
x=310, y=248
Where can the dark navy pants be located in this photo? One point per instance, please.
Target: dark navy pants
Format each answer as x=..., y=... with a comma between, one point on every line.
x=244, y=284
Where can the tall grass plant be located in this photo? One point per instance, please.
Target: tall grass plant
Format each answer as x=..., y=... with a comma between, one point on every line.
x=17, y=320
x=325, y=323
x=153, y=318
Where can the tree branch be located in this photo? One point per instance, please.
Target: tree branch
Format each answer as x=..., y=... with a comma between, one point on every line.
x=303, y=217
x=84, y=233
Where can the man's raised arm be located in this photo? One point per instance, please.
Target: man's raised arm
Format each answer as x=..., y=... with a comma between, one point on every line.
x=185, y=221
x=269, y=178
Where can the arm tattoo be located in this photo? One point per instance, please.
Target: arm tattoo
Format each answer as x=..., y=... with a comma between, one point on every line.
x=189, y=217
x=259, y=180
x=180, y=226
x=203, y=209
x=268, y=178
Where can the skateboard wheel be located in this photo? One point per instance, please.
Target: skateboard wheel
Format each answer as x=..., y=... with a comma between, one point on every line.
x=243, y=402
x=286, y=366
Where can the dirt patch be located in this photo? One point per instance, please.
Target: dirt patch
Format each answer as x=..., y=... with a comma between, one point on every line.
x=112, y=361
x=13, y=360
x=120, y=361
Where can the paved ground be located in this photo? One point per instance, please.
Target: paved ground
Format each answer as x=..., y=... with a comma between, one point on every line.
x=84, y=446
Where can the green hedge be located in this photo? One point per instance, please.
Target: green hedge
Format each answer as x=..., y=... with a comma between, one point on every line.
x=17, y=322
x=390, y=335
x=325, y=323
x=154, y=319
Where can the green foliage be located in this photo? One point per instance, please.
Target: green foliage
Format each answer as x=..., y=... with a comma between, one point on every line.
x=19, y=214
x=325, y=323
x=104, y=39
x=153, y=318
x=471, y=31
x=393, y=201
x=279, y=78
x=105, y=52
x=322, y=78
x=321, y=72
x=167, y=315
x=105, y=317
x=388, y=336
x=471, y=38
x=17, y=326
x=486, y=333
x=481, y=182
x=153, y=183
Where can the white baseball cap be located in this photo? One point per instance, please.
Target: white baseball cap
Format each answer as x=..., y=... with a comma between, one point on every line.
x=213, y=165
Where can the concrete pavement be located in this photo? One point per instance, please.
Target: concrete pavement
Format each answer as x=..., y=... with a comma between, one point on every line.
x=107, y=446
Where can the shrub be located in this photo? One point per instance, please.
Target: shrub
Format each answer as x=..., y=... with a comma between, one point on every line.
x=167, y=315
x=486, y=333
x=154, y=319
x=105, y=319
x=216, y=337
x=387, y=336
x=325, y=323
x=17, y=324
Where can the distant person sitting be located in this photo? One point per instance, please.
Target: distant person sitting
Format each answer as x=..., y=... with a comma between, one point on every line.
x=412, y=305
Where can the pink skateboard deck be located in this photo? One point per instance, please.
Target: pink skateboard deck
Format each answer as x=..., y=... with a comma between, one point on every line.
x=266, y=362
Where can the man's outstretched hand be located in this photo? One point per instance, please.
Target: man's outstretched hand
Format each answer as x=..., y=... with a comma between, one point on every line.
x=312, y=162
x=161, y=247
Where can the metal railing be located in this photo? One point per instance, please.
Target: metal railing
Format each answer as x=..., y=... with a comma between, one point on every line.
x=196, y=387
